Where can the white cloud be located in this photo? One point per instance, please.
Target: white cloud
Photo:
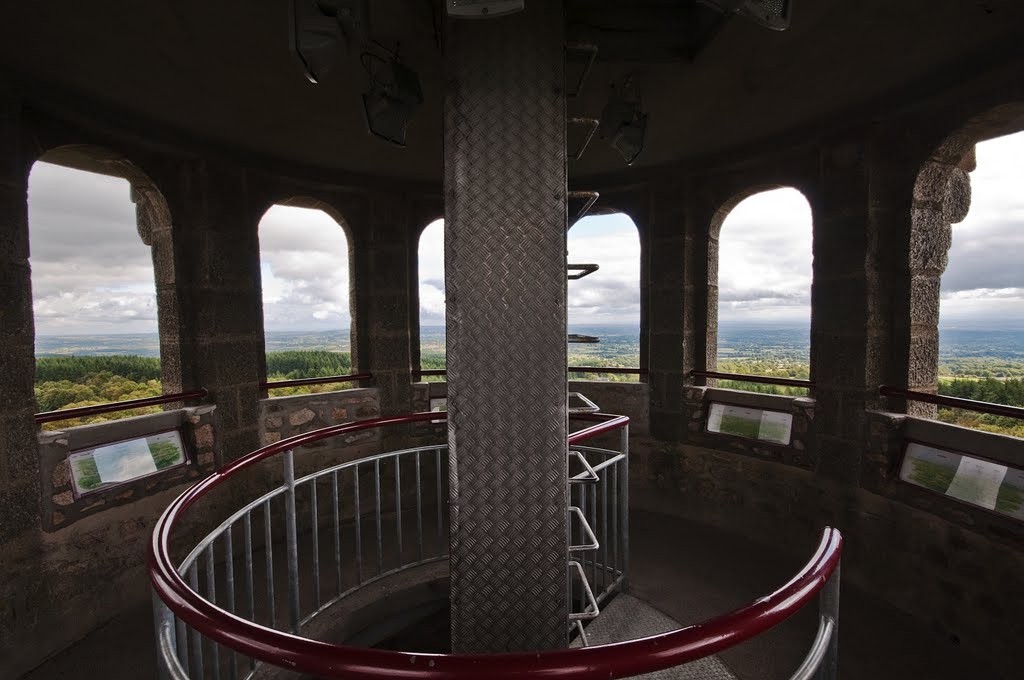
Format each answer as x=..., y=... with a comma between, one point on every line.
x=765, y=259
x=91, y=272
x=304, y=267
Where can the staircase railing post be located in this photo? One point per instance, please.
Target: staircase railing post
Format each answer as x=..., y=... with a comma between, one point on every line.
x=291, y=535
x=828, y=607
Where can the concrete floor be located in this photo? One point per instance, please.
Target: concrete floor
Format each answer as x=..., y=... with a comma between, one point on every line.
x=689, y=573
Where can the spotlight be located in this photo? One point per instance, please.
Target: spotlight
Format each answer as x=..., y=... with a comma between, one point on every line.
x=624, y=123
x=317, y=28
x=771, y=14
x=393, y=98
x=482, y=9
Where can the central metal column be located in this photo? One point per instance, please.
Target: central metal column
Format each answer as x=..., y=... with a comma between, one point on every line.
x=505, y=224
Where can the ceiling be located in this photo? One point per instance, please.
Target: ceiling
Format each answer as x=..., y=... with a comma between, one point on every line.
x=201, y=73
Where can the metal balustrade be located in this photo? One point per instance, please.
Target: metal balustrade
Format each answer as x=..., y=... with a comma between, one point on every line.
x=244, y=596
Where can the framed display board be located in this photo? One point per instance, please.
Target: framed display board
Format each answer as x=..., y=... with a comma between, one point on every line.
x=966, y=478
x=101, y=467
x=763, y=425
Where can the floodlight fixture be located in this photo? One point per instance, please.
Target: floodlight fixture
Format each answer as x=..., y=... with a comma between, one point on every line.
x=394, y=96
x=771, y=14
x=624, y=123
x=482, y=9
x=320, y=28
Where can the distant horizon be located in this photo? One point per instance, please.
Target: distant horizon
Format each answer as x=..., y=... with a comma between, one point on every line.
x=979, y=325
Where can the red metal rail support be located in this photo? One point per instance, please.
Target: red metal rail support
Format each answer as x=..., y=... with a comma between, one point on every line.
x=85, y=411
x=326, y=660
x=300, y=382
x=766, y=380
x=953, y=402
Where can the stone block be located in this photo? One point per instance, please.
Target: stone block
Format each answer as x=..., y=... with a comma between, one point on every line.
x=301, y=417
x=930, y=240
x=957, y=201
x=19, y=508
x=14, y=244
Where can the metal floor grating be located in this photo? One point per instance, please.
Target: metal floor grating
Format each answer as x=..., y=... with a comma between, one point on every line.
x=627, y=618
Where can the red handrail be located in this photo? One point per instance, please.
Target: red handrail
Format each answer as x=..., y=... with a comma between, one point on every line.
x=85, y=411
x=300, y=382
x=764, y=379
x=325, y=660
x=572, y=369
x=954, y=402
x=605, y=423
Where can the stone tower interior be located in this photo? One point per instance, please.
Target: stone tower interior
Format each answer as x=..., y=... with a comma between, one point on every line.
x=870, y=109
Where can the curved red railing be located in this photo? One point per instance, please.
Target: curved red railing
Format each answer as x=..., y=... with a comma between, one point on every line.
x=763, y=379
x=953, y=402
x=616, y=370
x=325, y=660
x=86, y=411
x=301, y=382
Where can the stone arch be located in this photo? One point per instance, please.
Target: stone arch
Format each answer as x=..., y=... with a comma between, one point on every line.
x=942, y=198
x=154, y=224
x=718, y=219
x=415, y=299
x=309, y=202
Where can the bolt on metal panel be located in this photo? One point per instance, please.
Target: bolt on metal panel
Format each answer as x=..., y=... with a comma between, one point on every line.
x=505, y=259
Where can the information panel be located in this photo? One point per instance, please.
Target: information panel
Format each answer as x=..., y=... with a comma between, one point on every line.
x=753, y=423
x=126, y=460
x=972, y=480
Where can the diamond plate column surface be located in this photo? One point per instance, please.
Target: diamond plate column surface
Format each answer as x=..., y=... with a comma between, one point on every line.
x=505, y=222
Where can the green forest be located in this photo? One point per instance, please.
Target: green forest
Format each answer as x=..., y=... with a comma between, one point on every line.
x=73, y=381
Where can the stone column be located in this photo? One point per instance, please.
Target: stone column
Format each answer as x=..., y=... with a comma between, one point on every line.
x=505, y=257
x=217, y=288
x=849, y=333
x=19, y=467
x=671, y=302
x=381, y=270
x=22, y=588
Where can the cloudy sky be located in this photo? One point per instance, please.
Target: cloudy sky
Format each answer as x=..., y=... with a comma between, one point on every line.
x=93, y=275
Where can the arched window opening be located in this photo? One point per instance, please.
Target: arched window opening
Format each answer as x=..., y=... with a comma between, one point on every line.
x=430, y=260
x=981, y=306
x=764, y=285
x=606, y=303
x=93, y=290
x=304, y=267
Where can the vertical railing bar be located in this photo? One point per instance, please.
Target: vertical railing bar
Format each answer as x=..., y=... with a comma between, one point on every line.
x=359, y=526
x=604, y=530
x=593, y=523
x=377, y=517
x=828, y=607
x=268, y=537
x=624, y=447
x=398, y=506
x=337, y=529
x=615, y=519
x=291, y=541
x=211, y=596
x=437, y=465
x=419, y=509
x=249, y=585
x=229, y=585
x=580, y=539
x=197, y=639
x=182, y=640
x=316, y=544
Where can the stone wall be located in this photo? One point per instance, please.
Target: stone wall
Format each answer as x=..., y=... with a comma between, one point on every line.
x=62, y=506
x=88, y=562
